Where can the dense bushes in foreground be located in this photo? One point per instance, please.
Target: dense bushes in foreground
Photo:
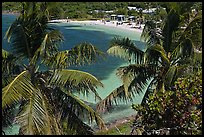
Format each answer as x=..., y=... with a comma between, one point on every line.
x=178, y=111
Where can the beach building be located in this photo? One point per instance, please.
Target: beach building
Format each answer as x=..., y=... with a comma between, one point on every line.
x=149, y=11
x=134, y=8
x=113, y=17
x=121, y=18
x=109, y=11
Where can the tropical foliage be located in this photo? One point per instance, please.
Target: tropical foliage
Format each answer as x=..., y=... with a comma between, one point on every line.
x=46, y=98
x=177, y=111
x=171, y=52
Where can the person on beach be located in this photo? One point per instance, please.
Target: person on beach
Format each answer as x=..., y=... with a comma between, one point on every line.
x=67, y=19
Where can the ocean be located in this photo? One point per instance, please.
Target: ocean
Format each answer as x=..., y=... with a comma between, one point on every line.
x=104, y=70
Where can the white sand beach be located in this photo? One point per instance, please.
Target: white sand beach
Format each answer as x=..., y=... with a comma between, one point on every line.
x=112, y=24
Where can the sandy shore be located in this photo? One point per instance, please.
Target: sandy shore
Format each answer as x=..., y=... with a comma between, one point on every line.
x=111, y=24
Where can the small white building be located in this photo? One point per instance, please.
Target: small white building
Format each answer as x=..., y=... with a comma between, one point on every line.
x=121, y=18
x=109, y=11
x=113, y=17
x=134, y=8
x=149, y=11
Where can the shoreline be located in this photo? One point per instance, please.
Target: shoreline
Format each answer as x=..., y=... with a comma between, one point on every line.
x=118, y=122
x=111, y=24
x=9, y=12
x=111, y=124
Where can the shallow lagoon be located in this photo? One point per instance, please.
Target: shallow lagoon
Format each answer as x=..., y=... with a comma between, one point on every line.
x=105, y=70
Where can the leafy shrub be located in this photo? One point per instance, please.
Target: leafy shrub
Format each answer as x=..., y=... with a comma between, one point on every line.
x=178, y=111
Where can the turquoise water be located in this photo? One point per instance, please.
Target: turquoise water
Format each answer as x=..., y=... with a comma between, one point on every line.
x=104, y=70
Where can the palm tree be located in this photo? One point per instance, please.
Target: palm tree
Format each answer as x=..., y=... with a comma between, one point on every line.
x=9, y=70
x=170, y=50
x=46, y=100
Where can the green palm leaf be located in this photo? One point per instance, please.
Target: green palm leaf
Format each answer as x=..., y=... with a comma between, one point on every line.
x=20, y=88
x=10, y=66
x=170, y=76
x=155, y=54
x=170, y=26
x=79, y=55
x=75, y=81
x=193, y=24
x=5, y=54
x=83, y=53
x=48, y=47
x=73, y=125
x=149, y=89
x=150, y=34
x=19, y=38
x=58, y=60
x=135, y=79
x=35, y=116
x=84, y=111
x=31, y=117
x=183, y=51
x=116, y=95
x=125, y=48
x=140, y=75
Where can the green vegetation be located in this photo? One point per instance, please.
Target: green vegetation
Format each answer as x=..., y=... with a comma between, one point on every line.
x=46, y=100
x=177, y=111
x=121, y=129
x=92, y=10
x=11, y=6
x=171, y=53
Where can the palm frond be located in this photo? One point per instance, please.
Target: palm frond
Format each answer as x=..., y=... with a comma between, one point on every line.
x=74, y=126
x=71, y=111
x=20, y=88
x=184, y=50
x=35, y=117
x=51, y=42
x=149, y=90
x=125, y=48
x=84, y=111
x=30, y=31
x=155, y=54
x=8, y=115
x=171, y=25
x=76, y=81
x=5, y=54
x=170, y=76
x=9, y=63
x=151, y=34
x=84, y=53
x=135, y=79
x=31, y=116
x=48, y=48
x=116, y=95
x=58, y=61
x=194, y=23
x=79, y=55
x=140, y=75
x=19, y=38
x=193, y=31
